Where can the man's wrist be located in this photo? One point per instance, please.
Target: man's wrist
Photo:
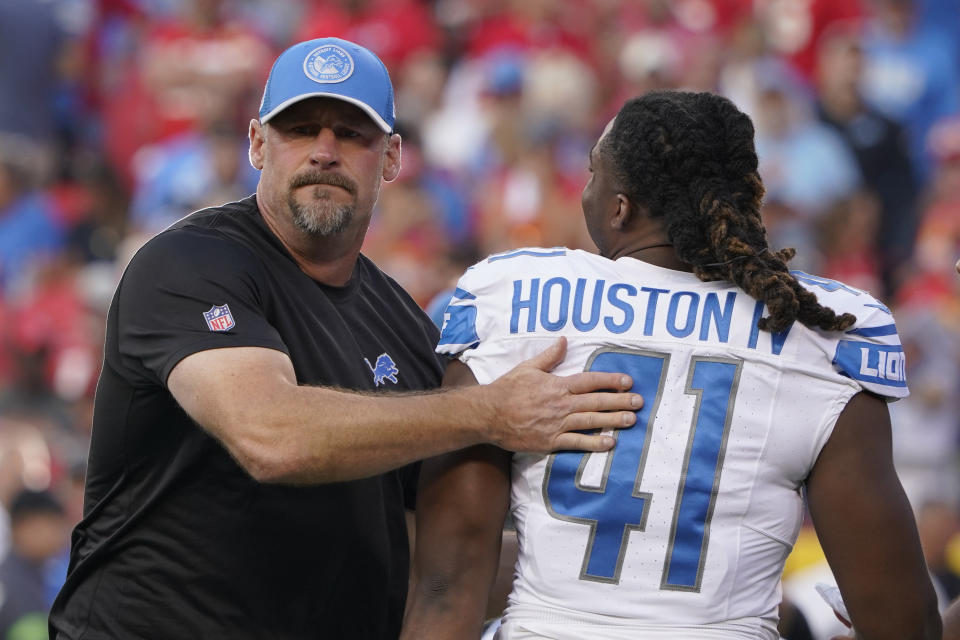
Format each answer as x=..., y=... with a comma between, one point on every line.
x=478, y=413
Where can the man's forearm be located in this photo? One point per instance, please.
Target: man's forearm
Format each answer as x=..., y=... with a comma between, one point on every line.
x=282, y=432
x=322, y=435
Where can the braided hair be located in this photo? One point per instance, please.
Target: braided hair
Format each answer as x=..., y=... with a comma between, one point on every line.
x=689, y=158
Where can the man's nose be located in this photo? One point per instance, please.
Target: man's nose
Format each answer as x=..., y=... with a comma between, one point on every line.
x=325, y=151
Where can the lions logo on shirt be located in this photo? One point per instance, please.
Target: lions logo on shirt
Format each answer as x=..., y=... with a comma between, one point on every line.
x=327, y=64
x=385, y=369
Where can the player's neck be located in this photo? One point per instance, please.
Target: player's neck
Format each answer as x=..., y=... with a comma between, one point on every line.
x=660, y=254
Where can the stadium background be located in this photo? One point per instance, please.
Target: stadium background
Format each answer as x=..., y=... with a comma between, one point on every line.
x=118, y=117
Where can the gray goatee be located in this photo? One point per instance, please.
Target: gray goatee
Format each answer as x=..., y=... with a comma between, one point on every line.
x=321, y=217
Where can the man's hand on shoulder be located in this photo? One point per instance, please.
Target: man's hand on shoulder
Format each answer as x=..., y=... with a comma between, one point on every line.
x=538, y=411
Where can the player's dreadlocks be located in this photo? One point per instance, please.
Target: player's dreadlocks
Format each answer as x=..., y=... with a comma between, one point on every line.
x=689, y=158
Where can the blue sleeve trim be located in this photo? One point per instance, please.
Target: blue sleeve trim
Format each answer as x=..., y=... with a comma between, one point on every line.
x=527, y=252
x=463, y=294
x=881, y=306
x=824, y=283
x=873, y=363
x=874, y=332
x=460, y=327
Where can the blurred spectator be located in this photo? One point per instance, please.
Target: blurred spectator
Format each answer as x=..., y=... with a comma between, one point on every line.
x=54, y=338
x=788, y=228
x=559, y=91
x=446, y=192
x=939, y=237
x=31, y=44
x=69, y=491
x=193, y=170
x=102, y=205
x=38, y=533
x=803, y=163
x=531, y=200
x=11, y=481
x=530, y=25
x=658, y=44
x=407, y=238
x=30, y=228
x=926, y=428
x=879, y=145
x=938, y=523
x=187, y=69
x=805, y=166
x=420, y=85
x=794, y=28
x=910, y=73
x=846, y=233
x=478, y=122
x=941, y=15
x=393, y=29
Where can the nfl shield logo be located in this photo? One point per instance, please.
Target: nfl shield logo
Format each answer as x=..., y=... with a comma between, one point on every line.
x=219, y=318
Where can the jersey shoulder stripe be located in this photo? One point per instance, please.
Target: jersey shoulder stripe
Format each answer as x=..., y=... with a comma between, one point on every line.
x=869, y=352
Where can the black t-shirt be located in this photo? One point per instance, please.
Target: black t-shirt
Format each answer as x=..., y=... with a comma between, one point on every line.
x=177, y=540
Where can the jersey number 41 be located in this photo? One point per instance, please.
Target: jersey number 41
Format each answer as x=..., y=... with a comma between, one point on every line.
x=617, y=506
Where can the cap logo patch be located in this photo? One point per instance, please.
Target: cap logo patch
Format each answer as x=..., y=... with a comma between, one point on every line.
x=327, y=64
x=219, y=318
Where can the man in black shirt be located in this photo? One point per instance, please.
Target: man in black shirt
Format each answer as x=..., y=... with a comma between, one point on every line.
x=250, y=459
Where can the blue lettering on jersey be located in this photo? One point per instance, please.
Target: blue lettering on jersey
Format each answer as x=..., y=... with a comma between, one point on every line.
x=651, y=308
x=777, y=340
x=460, y=322
x=385, y=369
x=578, y=322
x=868, y=362
x=564, y=285
x=719, y=319
x=714, y=383
x=617, y=507
x=519, y=304
x=557, y=303
x=691, y=316
x=624, y=306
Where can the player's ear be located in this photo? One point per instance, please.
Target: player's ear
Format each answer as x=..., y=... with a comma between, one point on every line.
x=256, y=134
x=622, y=214
x=391, y=165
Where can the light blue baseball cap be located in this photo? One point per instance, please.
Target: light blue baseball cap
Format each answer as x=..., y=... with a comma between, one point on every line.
x=330, y=68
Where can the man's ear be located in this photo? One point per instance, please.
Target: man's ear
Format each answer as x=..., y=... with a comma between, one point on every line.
x=621, y=218
x=391, y=165
x=256, y=134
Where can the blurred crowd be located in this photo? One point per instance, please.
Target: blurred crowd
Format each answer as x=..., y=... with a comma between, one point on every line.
x=117, y=117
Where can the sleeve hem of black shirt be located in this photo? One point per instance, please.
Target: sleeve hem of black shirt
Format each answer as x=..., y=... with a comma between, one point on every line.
x=205, y=345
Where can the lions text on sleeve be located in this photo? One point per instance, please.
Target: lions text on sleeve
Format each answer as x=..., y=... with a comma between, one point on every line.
x=687, y=522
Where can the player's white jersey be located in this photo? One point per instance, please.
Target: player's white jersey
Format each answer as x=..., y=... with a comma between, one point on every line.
x=681, y=530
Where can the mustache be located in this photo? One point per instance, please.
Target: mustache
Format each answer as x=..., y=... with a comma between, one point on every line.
x=332, y=179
